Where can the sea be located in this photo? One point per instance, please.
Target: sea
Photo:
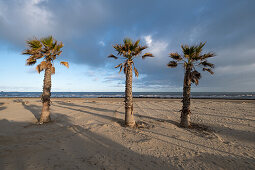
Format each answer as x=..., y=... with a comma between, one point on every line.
x=198, y=95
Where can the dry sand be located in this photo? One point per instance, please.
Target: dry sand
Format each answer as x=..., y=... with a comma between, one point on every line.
x=88, y=134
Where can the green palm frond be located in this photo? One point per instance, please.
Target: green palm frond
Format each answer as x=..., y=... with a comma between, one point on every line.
x=192, y=57
x=136, y=44
x=47, y=41
x=129, y=50
x=46, y=48
x=199, y=48
x=34, y=44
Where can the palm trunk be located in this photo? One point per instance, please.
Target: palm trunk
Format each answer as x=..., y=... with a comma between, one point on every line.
x=185, y=114
x=129, y=117
x=45, y=115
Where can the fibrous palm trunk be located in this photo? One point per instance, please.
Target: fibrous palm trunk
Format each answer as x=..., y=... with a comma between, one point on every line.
x=185, y=113
x=129, y=117
x=45, y=115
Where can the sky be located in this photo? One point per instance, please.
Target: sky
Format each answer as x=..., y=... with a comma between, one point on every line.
x=89, y=28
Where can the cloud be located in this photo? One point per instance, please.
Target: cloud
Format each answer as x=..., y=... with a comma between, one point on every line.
x=90, y=28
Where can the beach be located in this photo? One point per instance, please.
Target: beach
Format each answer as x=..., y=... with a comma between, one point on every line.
x=89, y=133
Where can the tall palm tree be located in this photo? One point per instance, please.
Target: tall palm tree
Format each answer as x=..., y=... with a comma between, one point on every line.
x=47, y=49
x=129, y=51
x=192, y=59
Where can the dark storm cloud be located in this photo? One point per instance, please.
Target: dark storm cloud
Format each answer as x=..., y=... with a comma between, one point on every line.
x=90, y=28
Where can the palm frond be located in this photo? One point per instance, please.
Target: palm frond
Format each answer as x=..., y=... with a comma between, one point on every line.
x=147, y=55
x=112, y=56
x=136, y=43
x=127, y=41
x=207, y=64
x=52, y=70
x=47, y=41
x=38, y=68
x=195, y=76
x=175, y=56
x=125, y=68
x=118, y=65
x=208, y=55
x=121, y=68
x=30, y=61
x=208, y=70
x=34, y=44
x=136, y=72
x=172, y=64
x=65, y=64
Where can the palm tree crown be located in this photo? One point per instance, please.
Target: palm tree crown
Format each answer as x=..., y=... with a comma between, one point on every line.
x=47, y=49
x=129, y=51
x=192, y=58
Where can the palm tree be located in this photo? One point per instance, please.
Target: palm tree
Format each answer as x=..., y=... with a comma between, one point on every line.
x=129, y=51
x=47, y=49
x=192, y=59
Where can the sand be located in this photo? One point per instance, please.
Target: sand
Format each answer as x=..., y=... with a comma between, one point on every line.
x=89, y=134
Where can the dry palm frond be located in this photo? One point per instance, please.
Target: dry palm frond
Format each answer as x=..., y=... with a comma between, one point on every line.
x=65, y=63
x=208, y=55
x=30, y=61
x=118, y=65
x=112, y=56
x=208, y=70
x=38, y=68
x=52, y=70
x=172, y=64
x=195, y=76
x=175, y=56
x=207, y=64
x=147, y=55
x=136, y=72
x=121, y=68
x=125, y=68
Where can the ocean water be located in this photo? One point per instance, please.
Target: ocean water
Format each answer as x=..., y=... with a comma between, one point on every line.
x=206, y=95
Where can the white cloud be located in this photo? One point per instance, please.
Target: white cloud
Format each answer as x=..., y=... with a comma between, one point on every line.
x=156, y=47
x=24, y=19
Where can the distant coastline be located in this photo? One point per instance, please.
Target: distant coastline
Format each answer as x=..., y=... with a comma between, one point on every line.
x=160, y=95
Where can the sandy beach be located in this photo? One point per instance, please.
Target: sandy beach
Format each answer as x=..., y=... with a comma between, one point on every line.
x=89, y=134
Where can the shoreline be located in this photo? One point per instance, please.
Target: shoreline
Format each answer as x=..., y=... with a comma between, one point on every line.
x=168, y=98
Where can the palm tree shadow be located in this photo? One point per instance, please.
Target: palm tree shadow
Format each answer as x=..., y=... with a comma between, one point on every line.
x=2, y=107
x=120, y=121
x=36, y=110
x=67, y=146
x=88, y=107
x=111, y=118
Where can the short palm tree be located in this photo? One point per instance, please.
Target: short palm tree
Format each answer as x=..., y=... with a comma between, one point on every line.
x=47, y=49
x=192, y=59
x=129, y=51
